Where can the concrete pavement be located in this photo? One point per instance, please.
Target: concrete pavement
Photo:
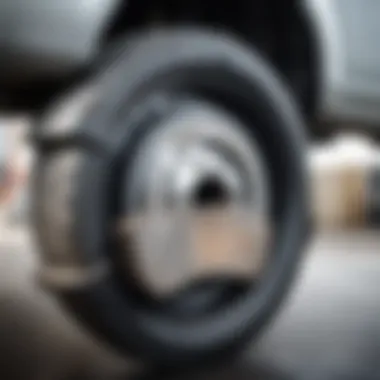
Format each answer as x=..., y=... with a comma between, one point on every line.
x=329, y=328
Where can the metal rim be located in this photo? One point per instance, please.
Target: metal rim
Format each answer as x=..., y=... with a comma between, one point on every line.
x=199, y=163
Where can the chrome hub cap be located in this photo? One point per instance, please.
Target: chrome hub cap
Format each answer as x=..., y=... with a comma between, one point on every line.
x=197, y=201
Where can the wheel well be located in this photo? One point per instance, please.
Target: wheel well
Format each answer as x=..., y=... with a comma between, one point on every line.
x=280, y=30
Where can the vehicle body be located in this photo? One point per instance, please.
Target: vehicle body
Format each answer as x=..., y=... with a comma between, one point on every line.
x=54, y=43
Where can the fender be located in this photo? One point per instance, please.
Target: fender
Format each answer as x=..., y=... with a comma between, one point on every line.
x=50, y=39
x=349, y=59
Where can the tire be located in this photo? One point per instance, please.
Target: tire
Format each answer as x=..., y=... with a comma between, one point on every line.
x=72, y=175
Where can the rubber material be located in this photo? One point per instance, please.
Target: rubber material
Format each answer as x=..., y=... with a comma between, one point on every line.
x=204, y=64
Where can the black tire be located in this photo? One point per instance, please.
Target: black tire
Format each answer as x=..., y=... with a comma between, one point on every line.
x=199, y=63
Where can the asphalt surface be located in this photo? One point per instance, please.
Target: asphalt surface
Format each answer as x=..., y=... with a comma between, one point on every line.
x=328, y=329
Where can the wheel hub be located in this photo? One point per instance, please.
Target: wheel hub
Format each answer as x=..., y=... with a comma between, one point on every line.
x=197, y=200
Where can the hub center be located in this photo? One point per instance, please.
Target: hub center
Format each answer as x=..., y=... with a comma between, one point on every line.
x=197, y=201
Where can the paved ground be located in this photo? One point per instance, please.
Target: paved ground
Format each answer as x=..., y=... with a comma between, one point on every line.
x=330, y=328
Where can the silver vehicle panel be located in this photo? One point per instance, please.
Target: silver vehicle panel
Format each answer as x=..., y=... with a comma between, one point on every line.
x=348, y=33
x=51, y=36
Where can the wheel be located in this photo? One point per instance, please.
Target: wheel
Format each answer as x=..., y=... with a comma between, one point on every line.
x=101, y=152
